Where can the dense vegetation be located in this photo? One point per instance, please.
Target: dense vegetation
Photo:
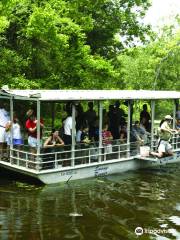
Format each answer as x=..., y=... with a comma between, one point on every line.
x=84, y=44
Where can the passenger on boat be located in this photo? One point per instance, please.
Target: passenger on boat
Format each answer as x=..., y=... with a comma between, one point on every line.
x=95, y=131
x=178, y=112
x=90, y=116
x=53, y=140
x=116, y=117
x=139, y=134
x=178, y=125
x=31, y=126
x=16, y=132
x=4, y=118
x=145, y=118
x=112, y=122
x=107, y=138
x=51, y=145
x=120, y=113
x=80, y=116
x=82, y=135
x=67, y=137
x=165, y=133
x=123, y=133
x=105, y=116
x=178, y=131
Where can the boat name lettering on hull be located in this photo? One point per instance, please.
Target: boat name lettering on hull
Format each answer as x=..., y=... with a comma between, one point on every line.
x=178, y=154
x=68, y=173
x=101, y=171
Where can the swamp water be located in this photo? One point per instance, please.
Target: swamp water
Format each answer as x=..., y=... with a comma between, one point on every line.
x=108, y=208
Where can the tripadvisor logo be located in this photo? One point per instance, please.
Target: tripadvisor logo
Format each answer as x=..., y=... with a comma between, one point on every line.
x=139, y=231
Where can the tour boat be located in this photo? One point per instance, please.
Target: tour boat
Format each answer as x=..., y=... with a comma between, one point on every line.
x=80, y=161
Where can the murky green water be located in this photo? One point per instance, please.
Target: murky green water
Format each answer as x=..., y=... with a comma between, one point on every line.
x=96, y=209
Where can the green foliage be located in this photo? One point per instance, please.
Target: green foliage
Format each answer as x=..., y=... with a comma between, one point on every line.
x=66, y=44
x=155, y=66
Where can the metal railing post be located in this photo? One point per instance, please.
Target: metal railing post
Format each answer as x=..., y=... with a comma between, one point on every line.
x=174, y=125
x=56, y=162
x=129, y=128
x=11, y=129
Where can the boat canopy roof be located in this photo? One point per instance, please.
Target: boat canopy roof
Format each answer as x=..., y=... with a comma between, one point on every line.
x=80, y=95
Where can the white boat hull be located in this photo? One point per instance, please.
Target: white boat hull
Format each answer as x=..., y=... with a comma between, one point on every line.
x=66, y=174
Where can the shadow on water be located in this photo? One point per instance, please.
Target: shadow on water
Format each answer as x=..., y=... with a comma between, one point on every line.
x=7, y=176
x=104, y=208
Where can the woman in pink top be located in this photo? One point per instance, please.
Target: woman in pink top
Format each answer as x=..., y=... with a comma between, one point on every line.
x=107, y=138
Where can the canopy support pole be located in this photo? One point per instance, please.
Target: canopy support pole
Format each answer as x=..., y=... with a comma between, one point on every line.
x=52, y=114
x=73, y=134
x=11, y=129
x=100, y=129
x=174, y=114
x=152, y=123
x=129, y=125
x=174, y=124
x=38, y=134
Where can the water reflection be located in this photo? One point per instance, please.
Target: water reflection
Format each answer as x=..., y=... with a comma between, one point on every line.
x=109, y=208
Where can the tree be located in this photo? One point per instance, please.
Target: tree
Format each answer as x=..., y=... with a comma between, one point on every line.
x=154, y=66
x=66, y=44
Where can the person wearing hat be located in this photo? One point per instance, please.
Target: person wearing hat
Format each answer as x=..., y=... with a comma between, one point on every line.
x=165, y=133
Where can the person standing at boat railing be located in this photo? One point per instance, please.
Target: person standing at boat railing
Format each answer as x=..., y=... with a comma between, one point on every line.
x=165, y=133
x=83, y=141
x=67, y=124
x=31, y=126
x=90, y=117
x=16, y=133
x=145, y=118
x=4, y=119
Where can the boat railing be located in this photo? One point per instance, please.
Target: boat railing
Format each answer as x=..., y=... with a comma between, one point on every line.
x=59, y=157
x=53, y=158
x=176, y=141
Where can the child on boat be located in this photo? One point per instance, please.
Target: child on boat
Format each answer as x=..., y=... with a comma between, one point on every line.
x=16, y=132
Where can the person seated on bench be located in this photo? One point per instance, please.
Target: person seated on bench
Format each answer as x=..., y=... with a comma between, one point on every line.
x=54, y=140
x=165, y=133
x=139, y=134
x=51, y=146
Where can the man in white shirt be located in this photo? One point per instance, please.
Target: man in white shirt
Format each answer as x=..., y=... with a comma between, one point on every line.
x=68, y=130
x=4, y=119
x=68, y=122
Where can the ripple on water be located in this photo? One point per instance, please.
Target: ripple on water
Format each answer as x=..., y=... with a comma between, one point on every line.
x=110, y=208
